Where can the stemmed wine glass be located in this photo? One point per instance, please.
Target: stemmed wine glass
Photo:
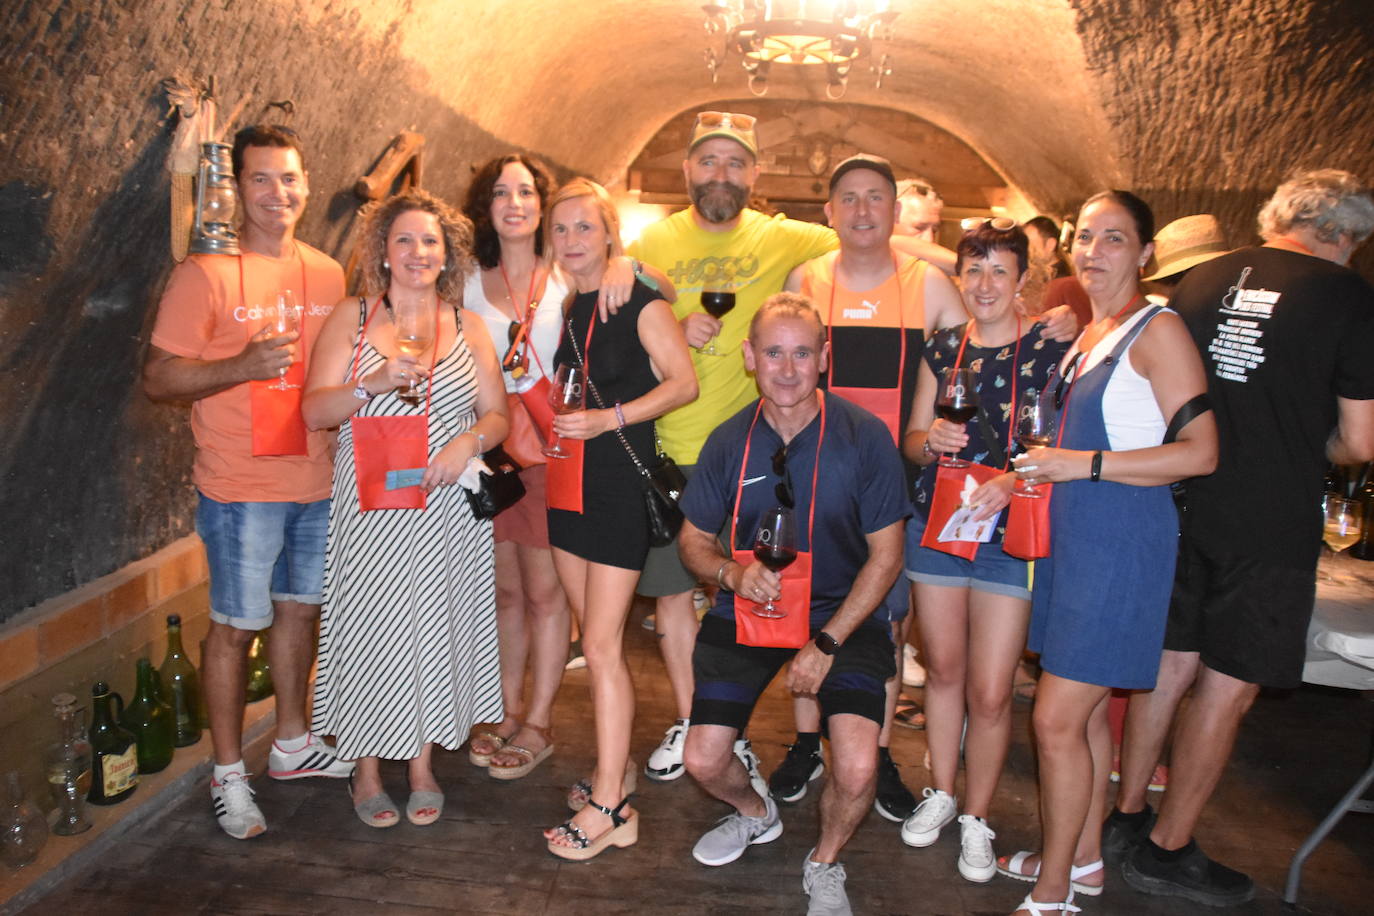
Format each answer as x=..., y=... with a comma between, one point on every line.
x=568, y=394
x=717, y=298
x=1342, y=525
x=957, y=403
x=414, y=334
x=1034, y=428
x=775, y=546
x=284, y=317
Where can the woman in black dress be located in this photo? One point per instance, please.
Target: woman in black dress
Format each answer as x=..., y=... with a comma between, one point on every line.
x=639, y=368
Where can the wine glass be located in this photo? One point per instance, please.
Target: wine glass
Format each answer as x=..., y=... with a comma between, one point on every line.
x=775, y=546
x=414, y=334
x=1034, y=428
x=567, y=395
x=717, y=298
x=284, y=317
x=957, y=403
x=1342, y=525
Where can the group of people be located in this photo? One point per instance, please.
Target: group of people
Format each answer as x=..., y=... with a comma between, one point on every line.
x=806, y=395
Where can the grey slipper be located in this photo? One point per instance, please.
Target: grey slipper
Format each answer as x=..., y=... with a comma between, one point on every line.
x=424, y=807
x=377, y=811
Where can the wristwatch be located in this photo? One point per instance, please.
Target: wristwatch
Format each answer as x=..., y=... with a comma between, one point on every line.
x=361, y=393
x=826, y=643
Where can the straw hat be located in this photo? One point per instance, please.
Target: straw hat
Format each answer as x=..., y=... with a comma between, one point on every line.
x=1187, y=242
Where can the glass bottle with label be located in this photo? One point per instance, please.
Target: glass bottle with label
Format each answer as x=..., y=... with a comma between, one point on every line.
x=114, y=770
x=259, y=671
x=1363, y=549
x=151, y=720
x=67, y=766
x=24, y=828
x=180, y=686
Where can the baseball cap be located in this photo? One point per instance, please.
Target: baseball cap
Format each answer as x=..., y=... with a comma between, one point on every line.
x=863, y=161
x=732, y=126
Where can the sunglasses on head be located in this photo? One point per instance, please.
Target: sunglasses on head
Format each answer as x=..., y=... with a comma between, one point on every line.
x=783, y=489
x=1000, y=223
x=726, y=119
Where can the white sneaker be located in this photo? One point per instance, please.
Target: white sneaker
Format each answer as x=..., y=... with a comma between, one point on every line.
x=734, y=833
x=923, y=827
x=315, y=759
x=913, y=675
x=976, y=860
x=237, y=813
x=665, y=763
x=745, y=752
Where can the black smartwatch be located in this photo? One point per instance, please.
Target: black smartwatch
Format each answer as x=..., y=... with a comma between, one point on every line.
x=826, y=643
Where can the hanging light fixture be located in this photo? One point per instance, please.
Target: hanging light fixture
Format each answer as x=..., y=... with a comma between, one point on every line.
x=832, y=34
x=212, y=231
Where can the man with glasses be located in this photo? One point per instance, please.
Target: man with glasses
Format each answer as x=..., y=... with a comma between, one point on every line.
x=717, y=242
x=836, y=467
x=263, y=479
x=919, y=210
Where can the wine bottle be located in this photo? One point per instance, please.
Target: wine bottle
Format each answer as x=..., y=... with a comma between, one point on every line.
x=151, y=720
x=1364, y=548
x=115, y=750
x=181, y=686
x=259, y=685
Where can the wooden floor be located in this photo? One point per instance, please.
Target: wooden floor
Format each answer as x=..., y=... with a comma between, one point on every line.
x=1297, y=755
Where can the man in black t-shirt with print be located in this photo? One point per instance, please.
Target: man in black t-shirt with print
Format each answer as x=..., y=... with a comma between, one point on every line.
x=1287, y=334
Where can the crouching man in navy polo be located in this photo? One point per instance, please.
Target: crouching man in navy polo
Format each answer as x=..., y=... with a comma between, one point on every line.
x=834, y=467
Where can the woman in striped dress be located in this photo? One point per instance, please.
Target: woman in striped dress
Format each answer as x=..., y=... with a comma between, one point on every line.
x=408, y=650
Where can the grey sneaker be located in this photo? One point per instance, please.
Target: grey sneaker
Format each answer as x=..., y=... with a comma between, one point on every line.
x=923, y=827
x=823, y=882
x=727, y=841
x=745, y=752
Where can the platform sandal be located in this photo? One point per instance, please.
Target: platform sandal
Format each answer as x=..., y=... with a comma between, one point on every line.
x=582, y=789
x=528, y=759
x=1035, y=908
x=492, y=742
x=1012, y=868
x=624, y=831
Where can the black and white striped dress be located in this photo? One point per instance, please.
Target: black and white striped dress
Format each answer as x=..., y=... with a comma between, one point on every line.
x=408, y=646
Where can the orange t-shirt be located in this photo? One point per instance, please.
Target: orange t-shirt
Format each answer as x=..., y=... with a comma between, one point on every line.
x=204, y=314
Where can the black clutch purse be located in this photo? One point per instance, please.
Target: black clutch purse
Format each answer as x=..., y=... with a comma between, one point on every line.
x=500, y=489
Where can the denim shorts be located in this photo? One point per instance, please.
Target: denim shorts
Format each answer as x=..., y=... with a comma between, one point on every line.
x=260, y=553
x=991, y=570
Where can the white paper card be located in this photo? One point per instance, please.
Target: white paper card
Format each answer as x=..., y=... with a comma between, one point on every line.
x=961, y=526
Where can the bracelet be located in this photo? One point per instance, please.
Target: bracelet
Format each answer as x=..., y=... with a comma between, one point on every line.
x=720, y=574
x=926, y=449
x=619, y=415
x=1096, y=473
x=481, y=440
x=642, y=277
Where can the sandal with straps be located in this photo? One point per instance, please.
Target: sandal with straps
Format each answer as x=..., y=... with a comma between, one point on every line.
x=491, y=743
x=1035, y=908
x=624, y=831
x=582, y=789
x=528, y=759
x=1014, y=868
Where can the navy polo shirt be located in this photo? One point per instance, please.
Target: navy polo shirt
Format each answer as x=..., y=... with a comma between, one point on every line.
x=860, y=490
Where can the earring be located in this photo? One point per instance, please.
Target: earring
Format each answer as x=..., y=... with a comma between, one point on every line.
x=386, y=265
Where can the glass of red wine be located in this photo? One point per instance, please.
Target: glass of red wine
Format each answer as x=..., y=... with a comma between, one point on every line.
x=775, y=546
x=567, y=395
x=957, y=403
x=717, y=298
x=1034, y=429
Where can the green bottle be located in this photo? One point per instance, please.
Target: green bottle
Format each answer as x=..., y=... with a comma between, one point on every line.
x=259, y=672
x=115, y=750
x=151, y=720
x=181, y=686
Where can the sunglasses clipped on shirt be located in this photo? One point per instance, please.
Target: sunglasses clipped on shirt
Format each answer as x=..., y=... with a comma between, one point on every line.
x=783, y=489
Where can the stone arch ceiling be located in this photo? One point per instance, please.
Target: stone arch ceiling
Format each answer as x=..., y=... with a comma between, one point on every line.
x=1061, y=96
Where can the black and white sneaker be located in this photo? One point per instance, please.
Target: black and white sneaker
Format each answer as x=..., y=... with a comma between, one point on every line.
x=665, y=763
x=315, y=759
x=800, y=766
x=893, y=800
x=238, y=815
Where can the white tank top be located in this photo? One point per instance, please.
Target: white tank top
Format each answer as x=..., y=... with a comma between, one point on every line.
x=1129, y=409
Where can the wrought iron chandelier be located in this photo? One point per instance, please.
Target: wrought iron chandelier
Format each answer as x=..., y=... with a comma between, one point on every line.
x=833, y=34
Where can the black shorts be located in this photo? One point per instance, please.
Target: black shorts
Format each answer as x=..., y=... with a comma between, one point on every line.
x=1246, y=617
x=730, y=678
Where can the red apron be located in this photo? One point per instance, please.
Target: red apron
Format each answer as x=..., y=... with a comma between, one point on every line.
x=564, y=481
x=794, y=629
x=391, y=443
x=949, y=482
x=883, y=403
x=278, y=427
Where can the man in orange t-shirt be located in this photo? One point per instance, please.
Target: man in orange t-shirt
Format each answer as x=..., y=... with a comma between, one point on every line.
x=263, y=479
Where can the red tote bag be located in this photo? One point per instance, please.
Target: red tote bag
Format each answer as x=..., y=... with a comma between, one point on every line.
x=949, y=485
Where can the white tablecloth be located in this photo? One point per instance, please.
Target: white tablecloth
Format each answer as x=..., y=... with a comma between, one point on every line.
x=1340, y=639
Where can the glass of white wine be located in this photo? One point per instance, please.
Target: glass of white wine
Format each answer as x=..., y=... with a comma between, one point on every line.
x=284, y=317
x=414, y=334
x=1343, y=524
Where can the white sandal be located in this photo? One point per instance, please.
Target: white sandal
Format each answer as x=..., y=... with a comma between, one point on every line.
x=1035, y=908
x=1013, y=869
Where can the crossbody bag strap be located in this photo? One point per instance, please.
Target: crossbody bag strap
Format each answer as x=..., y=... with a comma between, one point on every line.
x=1193, y=408
x=591, y=386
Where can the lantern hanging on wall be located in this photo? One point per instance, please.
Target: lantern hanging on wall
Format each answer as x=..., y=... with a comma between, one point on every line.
x=212, y=232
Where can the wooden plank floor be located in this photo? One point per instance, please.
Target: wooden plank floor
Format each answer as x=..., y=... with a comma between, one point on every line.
x=1297, y=755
